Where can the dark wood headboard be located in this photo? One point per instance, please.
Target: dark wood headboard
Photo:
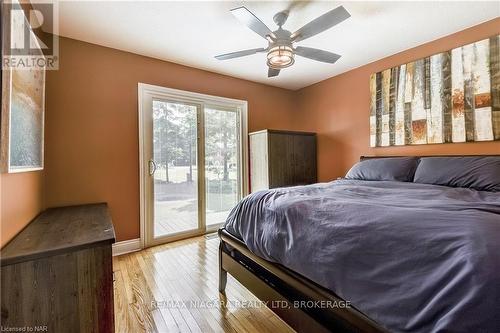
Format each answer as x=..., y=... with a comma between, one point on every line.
x=361, y=158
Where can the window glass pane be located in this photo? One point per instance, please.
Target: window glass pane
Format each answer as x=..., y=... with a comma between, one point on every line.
x=222, y=190
x=175, y=179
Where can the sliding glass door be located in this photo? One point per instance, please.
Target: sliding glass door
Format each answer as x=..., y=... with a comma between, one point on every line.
x=192, y=162
x=175, y=168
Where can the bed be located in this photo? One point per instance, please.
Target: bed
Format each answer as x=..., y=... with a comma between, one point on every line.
x=418, y=253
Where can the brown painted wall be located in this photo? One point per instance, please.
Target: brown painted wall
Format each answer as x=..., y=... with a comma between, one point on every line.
x=338, y=109
x=92, y=130
x=21, y=201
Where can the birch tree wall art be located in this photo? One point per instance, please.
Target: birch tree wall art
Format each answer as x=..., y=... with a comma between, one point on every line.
x=448, y=97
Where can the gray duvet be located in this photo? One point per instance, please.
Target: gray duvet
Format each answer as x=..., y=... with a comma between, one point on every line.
x=413, y=257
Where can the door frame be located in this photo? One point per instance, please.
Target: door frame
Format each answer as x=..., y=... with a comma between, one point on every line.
x=149, y=92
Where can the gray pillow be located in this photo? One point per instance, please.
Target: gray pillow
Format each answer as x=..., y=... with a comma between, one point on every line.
x=391, y=168
x=478, y=172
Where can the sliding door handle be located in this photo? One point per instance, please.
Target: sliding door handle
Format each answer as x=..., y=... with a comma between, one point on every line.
x=152, y=167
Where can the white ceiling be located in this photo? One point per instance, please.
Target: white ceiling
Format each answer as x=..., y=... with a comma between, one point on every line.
x=192, y=33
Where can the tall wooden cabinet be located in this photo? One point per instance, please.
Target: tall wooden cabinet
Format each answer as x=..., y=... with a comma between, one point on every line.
x=282, y=158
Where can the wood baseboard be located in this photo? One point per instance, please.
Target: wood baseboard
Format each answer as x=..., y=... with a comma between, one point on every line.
x=126, y=246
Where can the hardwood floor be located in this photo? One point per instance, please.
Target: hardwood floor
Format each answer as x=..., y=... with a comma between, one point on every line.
x=173, y=288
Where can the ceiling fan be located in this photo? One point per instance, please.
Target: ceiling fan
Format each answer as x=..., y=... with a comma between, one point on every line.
x=281, y=51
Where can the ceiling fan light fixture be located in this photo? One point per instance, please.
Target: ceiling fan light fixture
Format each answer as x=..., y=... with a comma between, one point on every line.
x=280, y=57
x=280, y=51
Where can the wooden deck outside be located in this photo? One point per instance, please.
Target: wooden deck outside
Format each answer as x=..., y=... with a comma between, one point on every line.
x=181, y=278
x=173, y=216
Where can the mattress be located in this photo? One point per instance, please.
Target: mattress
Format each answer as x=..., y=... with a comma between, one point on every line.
x=413, y=257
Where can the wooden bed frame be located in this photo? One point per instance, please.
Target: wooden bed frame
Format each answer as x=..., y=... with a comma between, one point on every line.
x=282, y=288
x=284, y=291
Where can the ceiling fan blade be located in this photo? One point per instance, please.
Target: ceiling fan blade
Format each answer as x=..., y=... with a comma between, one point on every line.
x=251, y=21
x=272, y=72
x=322, y=23
x=239, y=54
x=316, y=54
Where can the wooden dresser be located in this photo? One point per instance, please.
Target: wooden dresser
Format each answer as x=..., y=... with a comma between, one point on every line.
x=282, y=158
x=57, y=273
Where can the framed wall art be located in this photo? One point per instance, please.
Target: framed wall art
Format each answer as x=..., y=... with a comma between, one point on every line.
x=448, y=97
x=23, y=101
